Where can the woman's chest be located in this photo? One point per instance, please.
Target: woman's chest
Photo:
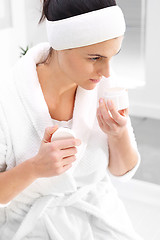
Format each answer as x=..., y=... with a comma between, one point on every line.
x=62, y=111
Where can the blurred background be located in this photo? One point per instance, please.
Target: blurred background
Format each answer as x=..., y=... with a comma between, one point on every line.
x=137, y=65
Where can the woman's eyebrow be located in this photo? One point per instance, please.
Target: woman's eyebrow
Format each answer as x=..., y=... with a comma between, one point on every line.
x=98, y=55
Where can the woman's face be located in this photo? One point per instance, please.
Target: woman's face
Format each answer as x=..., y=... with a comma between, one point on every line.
x=80, y=65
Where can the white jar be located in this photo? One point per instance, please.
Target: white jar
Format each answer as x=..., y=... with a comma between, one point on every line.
x=119, y=96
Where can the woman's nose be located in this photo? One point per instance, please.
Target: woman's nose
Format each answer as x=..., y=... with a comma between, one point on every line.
x=105, y=70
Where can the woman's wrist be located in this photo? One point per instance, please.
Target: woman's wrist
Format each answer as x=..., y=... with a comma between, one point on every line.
x=123, y=156
x=31, y=165
x=121, y=135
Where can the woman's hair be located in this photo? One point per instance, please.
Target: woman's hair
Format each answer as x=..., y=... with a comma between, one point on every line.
x=55, y=10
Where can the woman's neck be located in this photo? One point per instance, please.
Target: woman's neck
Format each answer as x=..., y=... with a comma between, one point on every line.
x=54, y=84
x=59, y=95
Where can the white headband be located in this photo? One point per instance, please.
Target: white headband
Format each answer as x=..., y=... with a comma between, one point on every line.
x=86, y=29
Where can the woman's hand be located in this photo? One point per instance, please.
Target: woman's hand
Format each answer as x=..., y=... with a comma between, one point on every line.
x=122, y=155
x=111, y=121
x=54, y=158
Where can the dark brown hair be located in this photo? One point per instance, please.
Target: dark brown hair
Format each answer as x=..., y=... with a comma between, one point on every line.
x=55, y=10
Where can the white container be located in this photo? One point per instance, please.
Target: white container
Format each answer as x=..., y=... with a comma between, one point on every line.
x=62, y=133
x=119, y=96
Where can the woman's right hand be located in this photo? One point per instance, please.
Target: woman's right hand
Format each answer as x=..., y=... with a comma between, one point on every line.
x=56, y=157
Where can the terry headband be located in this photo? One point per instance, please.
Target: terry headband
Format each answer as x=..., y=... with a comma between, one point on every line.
x=86, y=29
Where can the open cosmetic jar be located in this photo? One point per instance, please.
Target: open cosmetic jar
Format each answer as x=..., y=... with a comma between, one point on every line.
x=119, y=97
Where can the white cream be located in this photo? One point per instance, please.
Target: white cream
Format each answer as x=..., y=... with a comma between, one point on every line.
x=119, y=96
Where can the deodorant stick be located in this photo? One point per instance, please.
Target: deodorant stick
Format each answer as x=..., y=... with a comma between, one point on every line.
x=119, y=96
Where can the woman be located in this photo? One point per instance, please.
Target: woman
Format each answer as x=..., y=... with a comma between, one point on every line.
x=61, y=189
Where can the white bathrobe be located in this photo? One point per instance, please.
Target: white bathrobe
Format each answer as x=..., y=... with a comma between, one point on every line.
x=82, y=203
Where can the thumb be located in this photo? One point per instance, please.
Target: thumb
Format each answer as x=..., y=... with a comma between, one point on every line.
x=48, y=133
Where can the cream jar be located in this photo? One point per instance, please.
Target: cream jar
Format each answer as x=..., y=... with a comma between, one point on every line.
x=119, y=96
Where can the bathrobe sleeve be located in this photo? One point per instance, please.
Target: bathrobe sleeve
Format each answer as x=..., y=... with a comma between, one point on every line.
x=130, y=174
x=3, y=149
x=107, y=83
x=3, y=145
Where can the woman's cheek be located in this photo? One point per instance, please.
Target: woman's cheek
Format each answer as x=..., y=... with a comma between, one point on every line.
x=81, y=68
x=78, y=67
x=86, y=69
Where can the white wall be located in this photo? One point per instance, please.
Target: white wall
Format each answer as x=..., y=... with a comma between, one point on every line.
x=129, y=64
x=36, y=33
x=26, y=15
x=23, y=32
x=145, y=101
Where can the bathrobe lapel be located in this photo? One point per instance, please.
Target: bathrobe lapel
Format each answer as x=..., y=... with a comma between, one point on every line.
x=31, y=95
x=83, y=117
x=30, y=92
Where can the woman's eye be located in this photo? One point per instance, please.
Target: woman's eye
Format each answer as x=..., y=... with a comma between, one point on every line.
x=94, y=59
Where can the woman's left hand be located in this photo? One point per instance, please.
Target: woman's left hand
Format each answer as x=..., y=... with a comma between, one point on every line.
x=111, y=121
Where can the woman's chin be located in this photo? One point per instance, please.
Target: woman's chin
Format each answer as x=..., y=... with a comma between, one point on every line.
x=90, y=86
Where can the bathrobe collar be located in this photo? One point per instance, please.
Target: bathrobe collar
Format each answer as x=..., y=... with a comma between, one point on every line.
x=30, y=92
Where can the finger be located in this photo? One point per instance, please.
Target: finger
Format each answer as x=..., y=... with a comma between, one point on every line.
x=108, y=127
x=66, y=167
x=118, y=118
x=105, y=116
x=67, y=143
x=49, y=131
x=124, y=112
x=68, y=152
x=99, y=119
x=68, y=160
x=102, y=123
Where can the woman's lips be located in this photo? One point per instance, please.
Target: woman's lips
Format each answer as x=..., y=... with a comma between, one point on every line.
x=95, y=80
